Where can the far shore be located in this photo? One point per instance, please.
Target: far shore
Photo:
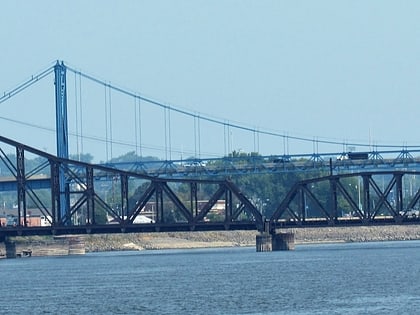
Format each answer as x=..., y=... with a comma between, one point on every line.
x=185, y=240
x=213, y=239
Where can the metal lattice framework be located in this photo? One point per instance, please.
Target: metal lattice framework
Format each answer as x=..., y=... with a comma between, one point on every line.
x=364, y=198
x=81, y=186
x=367, y=198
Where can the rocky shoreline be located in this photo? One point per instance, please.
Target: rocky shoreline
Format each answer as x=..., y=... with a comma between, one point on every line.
x=41, y=246
x=185, y=240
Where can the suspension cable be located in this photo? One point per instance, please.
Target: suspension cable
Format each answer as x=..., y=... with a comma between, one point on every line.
x=42, y=74
x=220, y=122
x=33, y=79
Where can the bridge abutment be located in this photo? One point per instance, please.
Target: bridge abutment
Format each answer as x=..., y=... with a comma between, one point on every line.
x=57, y=246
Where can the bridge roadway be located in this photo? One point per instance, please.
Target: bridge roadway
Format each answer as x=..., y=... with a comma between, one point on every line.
x=247, y=164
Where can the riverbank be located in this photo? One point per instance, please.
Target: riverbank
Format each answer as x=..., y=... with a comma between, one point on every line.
x=185, y=240
x=44, y=246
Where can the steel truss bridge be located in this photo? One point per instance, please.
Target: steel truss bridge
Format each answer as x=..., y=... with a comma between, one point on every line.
x=364, y=198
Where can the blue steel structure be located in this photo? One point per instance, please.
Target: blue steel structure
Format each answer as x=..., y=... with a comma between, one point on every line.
x=62, y=131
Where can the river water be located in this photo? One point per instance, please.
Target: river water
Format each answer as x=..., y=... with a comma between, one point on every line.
x=353, y=278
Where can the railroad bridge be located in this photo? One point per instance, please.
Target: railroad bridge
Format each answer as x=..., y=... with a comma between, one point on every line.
x=73, y=197
x=375, y=197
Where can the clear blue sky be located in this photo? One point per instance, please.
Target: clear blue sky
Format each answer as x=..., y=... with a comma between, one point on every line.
x=347, y=71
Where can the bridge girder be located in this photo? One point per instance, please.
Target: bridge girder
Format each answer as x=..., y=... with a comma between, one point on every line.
x=368, y=201
x=365, y=203
x=83, y=182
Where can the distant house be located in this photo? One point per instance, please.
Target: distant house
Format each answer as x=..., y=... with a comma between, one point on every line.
x=34, y=217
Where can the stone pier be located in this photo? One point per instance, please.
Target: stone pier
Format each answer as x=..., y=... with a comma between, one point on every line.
x=267, y=242
x=10, y=249
x=264, y=242
x=283, y=241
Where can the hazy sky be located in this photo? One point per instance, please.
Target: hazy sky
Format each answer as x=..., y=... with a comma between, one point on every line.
x=347, y=71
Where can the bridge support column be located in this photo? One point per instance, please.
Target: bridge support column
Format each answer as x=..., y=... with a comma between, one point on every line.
x=283, y=241
x=10, y=247
x=267, y=242
x=264, y=242
x=264, y=239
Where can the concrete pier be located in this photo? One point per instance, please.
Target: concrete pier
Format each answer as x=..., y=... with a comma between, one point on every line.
x=264, y=242
x=10, y=249
x=283, y=241
x=269, y=240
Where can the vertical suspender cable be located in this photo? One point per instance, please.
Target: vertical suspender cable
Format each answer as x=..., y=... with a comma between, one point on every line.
x=136, y=126
x=195, y=135
x=316, y=146
x=229, y=139
x=169, y=134
x=110, y=121
x=254, y=133
x=140, y=134
x=285, y=145
x=166, y=133
x=77, y=118
x=81, y=113
x=106, y=125
x=258, y=142
x=224, y=139
x=313, y=146
x=199, y=137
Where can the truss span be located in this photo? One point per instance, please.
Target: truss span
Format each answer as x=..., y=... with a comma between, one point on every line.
x=99, y=199
x=365, y=198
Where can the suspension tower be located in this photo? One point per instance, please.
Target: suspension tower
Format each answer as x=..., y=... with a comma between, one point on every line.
x=63, y=201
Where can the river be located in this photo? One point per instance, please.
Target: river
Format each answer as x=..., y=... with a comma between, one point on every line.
x=349, y=278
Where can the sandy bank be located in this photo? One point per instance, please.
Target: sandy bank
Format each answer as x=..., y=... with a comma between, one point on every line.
x=44, y=246
x=94, y=243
